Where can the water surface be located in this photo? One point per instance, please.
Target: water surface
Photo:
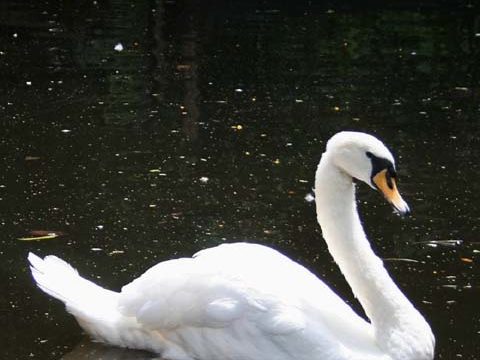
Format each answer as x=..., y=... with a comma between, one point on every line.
x=207, y=128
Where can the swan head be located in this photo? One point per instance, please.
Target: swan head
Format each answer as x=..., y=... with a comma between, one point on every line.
x=364, y=157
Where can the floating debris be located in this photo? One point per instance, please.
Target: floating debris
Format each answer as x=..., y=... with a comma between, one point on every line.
x=118, y=47
x=32, y=158
x=204, y=179
x=435, y=243
x=309, y=197
x=116, y=252
x=39, y=235
x=401, y=259
x=176, y=215
x=184, y=67
x=449, y=286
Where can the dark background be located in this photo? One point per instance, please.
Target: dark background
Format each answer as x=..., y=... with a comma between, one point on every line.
x=208, y=127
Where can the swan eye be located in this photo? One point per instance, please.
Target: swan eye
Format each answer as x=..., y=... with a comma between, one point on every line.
x=379, y=164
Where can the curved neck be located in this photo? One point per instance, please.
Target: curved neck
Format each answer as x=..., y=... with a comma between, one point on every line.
x=384, y=304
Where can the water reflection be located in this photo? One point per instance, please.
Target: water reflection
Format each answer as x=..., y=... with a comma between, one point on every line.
x=207, y=127
x=88, y=350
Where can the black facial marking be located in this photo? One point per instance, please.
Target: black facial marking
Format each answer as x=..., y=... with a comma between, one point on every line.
x=389, y=179
x=379, y=164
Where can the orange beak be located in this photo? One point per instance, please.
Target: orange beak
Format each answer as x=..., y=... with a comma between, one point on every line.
x=387, y=186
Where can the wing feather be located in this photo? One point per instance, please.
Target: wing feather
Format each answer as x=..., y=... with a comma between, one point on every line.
x=239, y=293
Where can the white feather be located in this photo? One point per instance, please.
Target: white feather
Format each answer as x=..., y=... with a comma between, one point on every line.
x=249, y=302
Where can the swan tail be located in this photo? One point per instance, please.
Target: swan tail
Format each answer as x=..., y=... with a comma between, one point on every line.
x=95, y=308
x=60, y=280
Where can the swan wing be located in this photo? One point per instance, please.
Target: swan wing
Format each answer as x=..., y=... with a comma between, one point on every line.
x=238, y=294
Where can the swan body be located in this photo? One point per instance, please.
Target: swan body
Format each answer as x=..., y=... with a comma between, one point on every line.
x=245, y=301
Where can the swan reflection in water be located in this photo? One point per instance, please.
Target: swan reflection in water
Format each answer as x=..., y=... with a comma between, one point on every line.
x=89, y=350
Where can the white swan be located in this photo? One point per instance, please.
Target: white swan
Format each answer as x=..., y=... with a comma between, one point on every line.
x=248, y=302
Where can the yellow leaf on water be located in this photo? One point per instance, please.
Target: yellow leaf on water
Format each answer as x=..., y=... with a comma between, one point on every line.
x=39, y=238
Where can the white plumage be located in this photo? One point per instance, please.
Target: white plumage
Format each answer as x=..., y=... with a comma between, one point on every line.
x=249, y=302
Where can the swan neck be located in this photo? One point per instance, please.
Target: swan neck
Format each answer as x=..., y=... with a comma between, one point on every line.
x=342, y=230
x=383, y=302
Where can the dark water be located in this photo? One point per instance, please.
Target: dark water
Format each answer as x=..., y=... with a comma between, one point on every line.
x=207, y=128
